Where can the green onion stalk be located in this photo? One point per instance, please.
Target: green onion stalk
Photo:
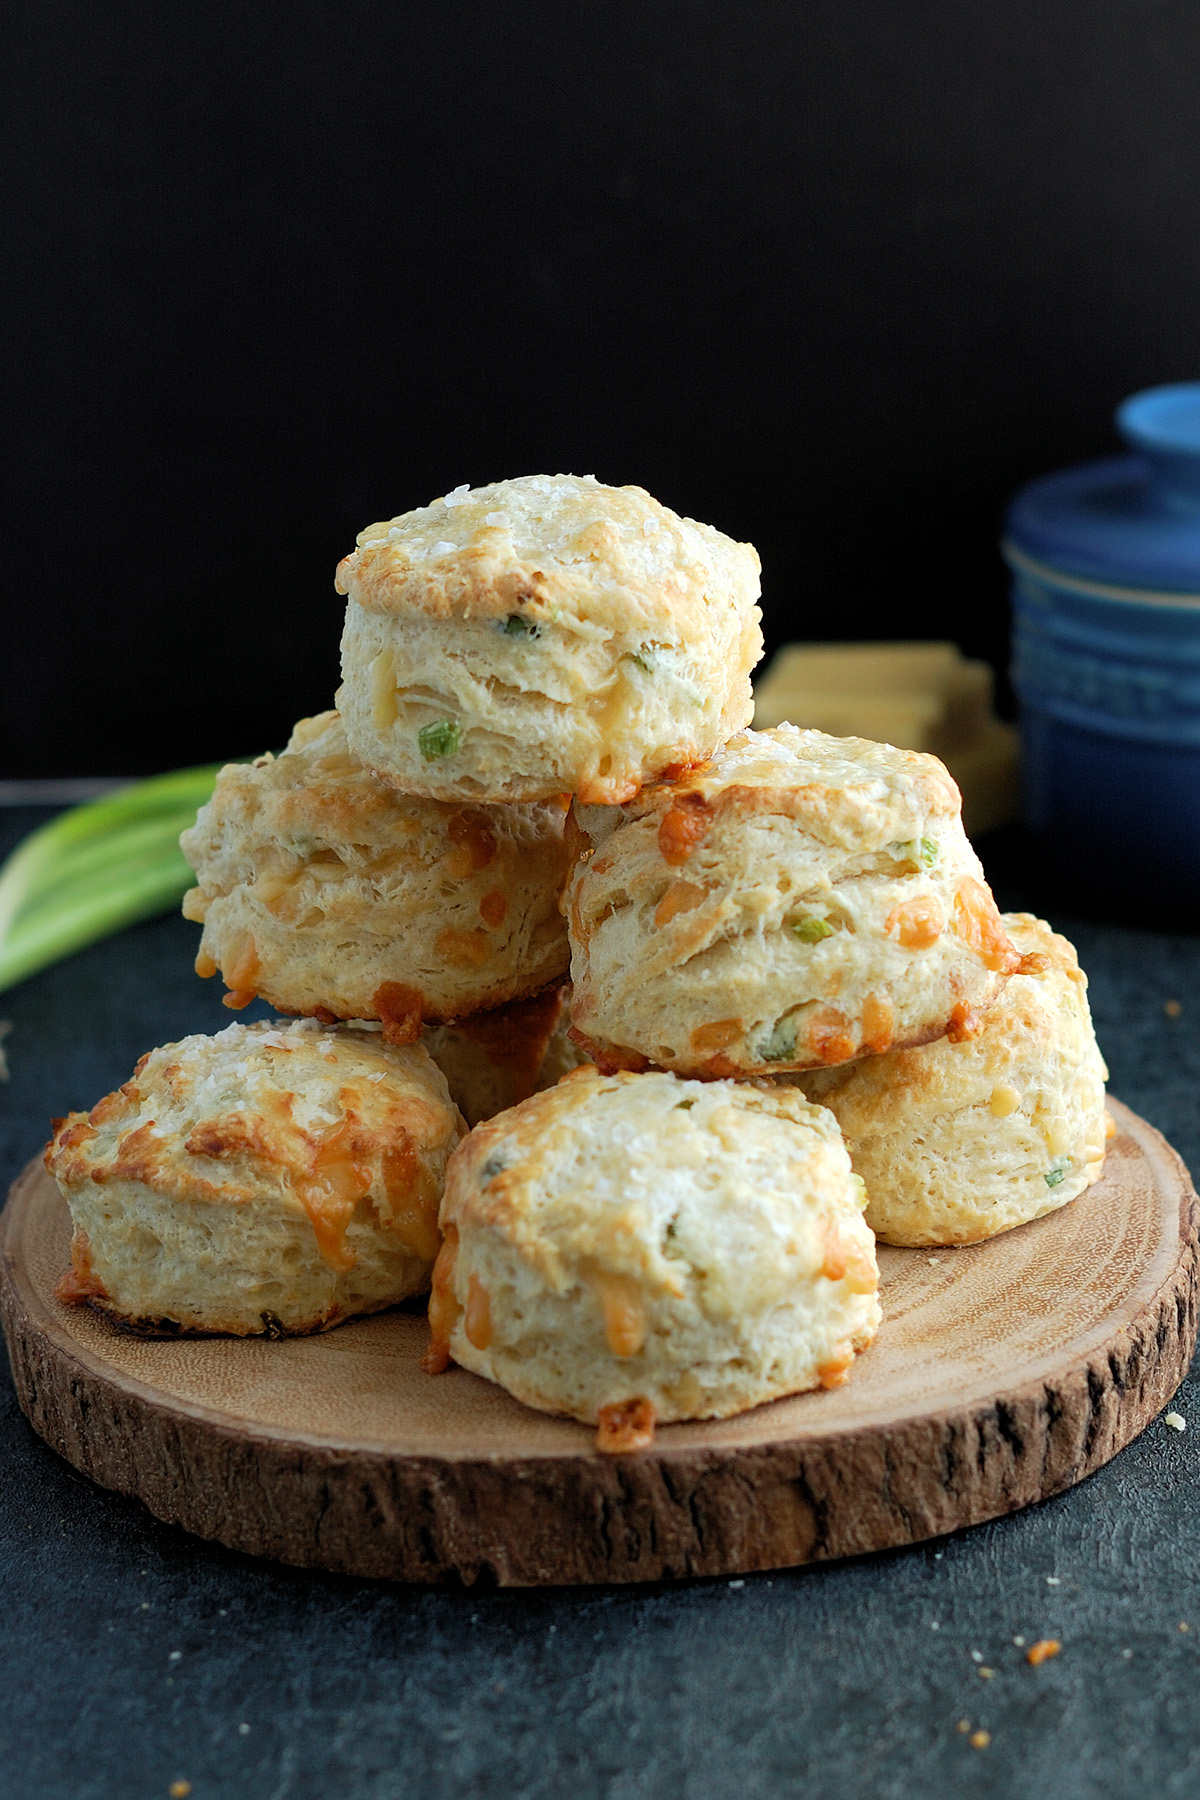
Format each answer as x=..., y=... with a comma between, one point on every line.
x=96, y=868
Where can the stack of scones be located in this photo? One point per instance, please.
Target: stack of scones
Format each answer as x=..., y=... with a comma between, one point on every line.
x=794, y=1019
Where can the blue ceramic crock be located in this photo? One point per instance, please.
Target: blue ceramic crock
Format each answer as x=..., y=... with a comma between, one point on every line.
x=1106, y=658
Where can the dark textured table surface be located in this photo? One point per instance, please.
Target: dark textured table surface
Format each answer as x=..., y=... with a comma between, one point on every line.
x=134, y=1659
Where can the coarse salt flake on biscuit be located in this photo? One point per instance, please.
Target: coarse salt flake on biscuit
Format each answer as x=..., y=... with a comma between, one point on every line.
x=274, y=1178
x=960, y=1140
x=799, y=900
x=544, y=635
x=632, y=1248
x=326, y=892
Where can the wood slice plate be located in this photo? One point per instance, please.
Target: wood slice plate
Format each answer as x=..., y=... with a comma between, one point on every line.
x=1003, y=1373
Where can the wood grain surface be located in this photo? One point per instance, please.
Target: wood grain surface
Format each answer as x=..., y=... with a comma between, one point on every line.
x=1003, y=1373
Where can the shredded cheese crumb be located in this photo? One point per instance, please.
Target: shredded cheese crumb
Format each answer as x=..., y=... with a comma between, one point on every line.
x=1053, y=1581
x=979, y=1740
x=1175, y=1420
x=1172, y=1008
x=1042, y=1651
x=964, y=1725
x=986, y=1674
x=977, y=1656
x=737, y=1584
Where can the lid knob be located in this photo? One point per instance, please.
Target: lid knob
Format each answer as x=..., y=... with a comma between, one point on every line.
x=1163, y=425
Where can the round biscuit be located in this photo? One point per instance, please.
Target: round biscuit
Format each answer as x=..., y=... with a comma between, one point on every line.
x=959, y=1141
x=543, y=636
x=639, y=1243
x=797, y=901
x=275, y=1178
x=328, y=893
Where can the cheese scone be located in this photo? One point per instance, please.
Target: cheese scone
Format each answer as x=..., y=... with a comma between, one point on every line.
x=797, y=901
x=631, y=1248
x=271, y=1179
x=495, y=1059
x=958, y=1141
x=544, y=636
x=326, y=892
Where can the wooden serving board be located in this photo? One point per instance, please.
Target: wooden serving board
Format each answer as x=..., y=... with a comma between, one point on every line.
x=1003, y=1373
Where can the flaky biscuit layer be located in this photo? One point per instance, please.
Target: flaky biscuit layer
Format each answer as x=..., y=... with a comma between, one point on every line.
x=797, y=901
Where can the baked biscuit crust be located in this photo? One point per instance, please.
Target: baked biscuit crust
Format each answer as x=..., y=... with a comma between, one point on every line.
x=328, y=893
x=797, y=901
x=959, y=1141
x=639, y=1242
x=271, y=1179
x=543, y=636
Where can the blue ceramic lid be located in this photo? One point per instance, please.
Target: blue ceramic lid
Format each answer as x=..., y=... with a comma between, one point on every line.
x=1129, y=521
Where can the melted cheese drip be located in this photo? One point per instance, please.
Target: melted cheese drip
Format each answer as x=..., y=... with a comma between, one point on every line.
x=681, y=896
x=624, y=1315
x=383, y=692
x=683, y=827
x=977, y=922
x=878, y=1023
x=413, y=1198
x=478, y=1321
x=915, y=923
x=625, y=1425
x=848, y=1262
x=830, y=1036
x=833, y=1373
x=330, y=1190
x=444, y=1310
x=719, y=1034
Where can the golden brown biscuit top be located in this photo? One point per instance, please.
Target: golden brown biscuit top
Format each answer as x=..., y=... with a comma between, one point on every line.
x=844, y=791
x=598, y=1166
x=287, y=1107
x=561, y=547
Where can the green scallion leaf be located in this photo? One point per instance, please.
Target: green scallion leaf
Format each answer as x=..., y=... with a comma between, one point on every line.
x=781, y=1043
x=812, y=930
x=922, y=851
x=1057, y=1172
x=441, y=738
x=515, y=627
x=96, y=868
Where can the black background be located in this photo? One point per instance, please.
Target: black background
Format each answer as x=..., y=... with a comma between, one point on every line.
x=835, y=276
